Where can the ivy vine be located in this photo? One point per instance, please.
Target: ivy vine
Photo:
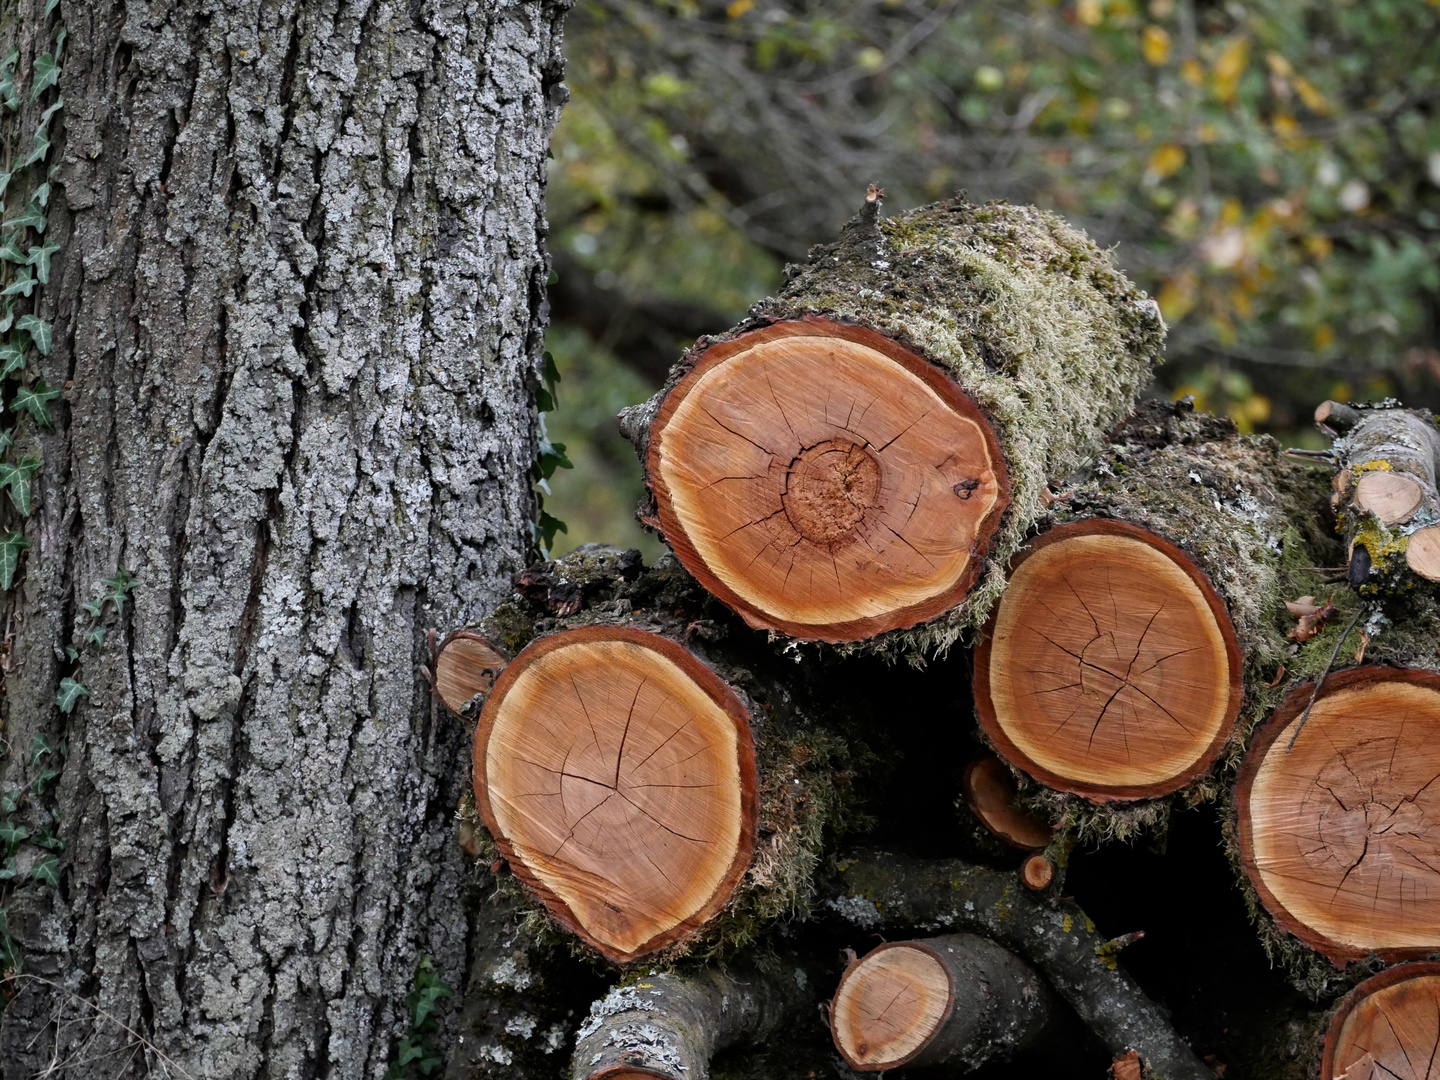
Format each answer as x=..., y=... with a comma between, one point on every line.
x=550, y=456
x=26, y=253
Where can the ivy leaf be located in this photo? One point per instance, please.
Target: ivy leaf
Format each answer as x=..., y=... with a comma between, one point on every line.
x=5, y=182
x=7, y=320
x=11, y=252
x=11, y=835
x=47, y=871
x=51, y=111
x=7, y=440
x=40, y=259
x=17, y=478
x=33, y=215
x=95, y=636
x=12, y=360
x=11, y=544
x=24, y=283
x=8, y=93
x=8, y=871
x=39, y=331
x=119, y=586
x=50, y=6
x=42, y=147
x=35, y=400
x=60, y=37
x=47, y=73
x=69, y=694
x=41, y=195
x=94, y=608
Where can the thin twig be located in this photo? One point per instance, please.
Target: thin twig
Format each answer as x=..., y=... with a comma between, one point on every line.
x=1321, y=680
x=96, y=1008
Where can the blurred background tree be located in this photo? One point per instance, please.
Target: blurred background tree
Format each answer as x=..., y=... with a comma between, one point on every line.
x=1269, y=170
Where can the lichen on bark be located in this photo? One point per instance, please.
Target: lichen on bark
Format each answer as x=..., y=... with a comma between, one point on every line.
x=299, y=307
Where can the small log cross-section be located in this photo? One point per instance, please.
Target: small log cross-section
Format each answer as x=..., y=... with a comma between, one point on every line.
x=824, y=481
x=1110, y=668
x=1387, y=1028
x=957, y=1000
x=617, y=775
x=466, y=664
x=1340, y=834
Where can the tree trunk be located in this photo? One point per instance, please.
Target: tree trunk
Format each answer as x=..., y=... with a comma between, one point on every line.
x=297, y=304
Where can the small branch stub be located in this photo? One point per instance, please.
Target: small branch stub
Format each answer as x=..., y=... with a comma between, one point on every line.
x=1110, y=668
x=1037, y=872
x=957, y=1000
x=466, y=664
x=1340, y=835
x=617, y=775
x=1387, y=1028
x=824, y=481
x=990, y=793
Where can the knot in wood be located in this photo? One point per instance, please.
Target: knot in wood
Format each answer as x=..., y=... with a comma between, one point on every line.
x=829, y=488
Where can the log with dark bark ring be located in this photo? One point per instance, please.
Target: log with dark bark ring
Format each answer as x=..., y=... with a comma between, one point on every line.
x=956, y=1000
x=1406, y=1001
x=824, y=481
x=1340, y=834
x=877, y=889
x=617, y=775
x=1057, y=687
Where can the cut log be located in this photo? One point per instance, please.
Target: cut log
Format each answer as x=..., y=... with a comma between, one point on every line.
x=669, y=1026
x=617, y=775
x=879, y=890
x=957, y=1000
x=1387, y=461
x=832, y=469
x=1111, y=669
x=1387, y=1028
x=824, y=481
x=1248, y=527
x=1037, y=872
x=466, y=665
x=990, y=794
x=1340, y=833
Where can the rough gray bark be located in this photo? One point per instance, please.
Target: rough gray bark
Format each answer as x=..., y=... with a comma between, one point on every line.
x=670, y=1026
x=878, y=889
x=298, y=309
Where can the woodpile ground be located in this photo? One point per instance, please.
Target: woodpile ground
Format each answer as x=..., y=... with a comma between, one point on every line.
x=983, y=721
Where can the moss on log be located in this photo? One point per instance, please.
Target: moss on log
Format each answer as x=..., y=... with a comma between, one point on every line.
x=1017, y=310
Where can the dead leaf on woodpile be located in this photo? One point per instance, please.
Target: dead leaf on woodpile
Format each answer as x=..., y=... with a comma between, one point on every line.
x=1127, y=1067
x=1311, y=617
x=1364, y=643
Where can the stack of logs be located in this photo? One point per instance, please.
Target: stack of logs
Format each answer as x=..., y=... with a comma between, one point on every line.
x=923, y=441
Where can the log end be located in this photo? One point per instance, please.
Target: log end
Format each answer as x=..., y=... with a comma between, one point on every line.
x=1393, y=497
x=990, y=793
x=824, y=481
x=1422, y=552
x=617, y=775
x=1388, y=1026
x=890, y=1004
x=1110, y=668
x=467, y=664
x=1339, y=833
x=1037, y=872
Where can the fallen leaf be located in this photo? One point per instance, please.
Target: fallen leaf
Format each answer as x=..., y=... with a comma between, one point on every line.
x=1279, y=676
x=1310, y=615
x=1127, y=1067
x=1360, y=652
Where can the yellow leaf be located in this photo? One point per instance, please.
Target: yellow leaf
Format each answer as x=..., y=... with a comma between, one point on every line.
x=1155, y=44
x=1178, y=296
x=1165, y=161
x=1323, y=337
x=1314, y=100
x=1193, y=73
x=1229, y=66
x=736, y=8
x=1089, y=12
x=1231, y=212
x=1208, y=133
x=1279, y=65
x=1319, y=246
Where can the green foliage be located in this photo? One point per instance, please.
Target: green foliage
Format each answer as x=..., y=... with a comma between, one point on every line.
x=549, y=457
x=11, y=545
x=417, y=1051
x=69, y=695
